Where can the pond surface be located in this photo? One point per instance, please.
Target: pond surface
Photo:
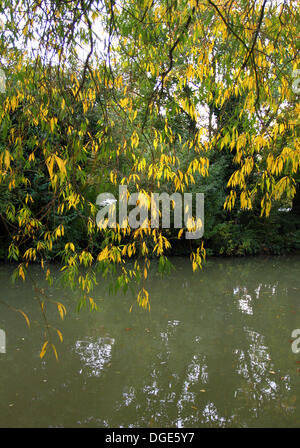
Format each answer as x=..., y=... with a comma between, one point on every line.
x=215, y=351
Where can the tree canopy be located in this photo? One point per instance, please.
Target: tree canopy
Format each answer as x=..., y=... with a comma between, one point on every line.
x=152, y=94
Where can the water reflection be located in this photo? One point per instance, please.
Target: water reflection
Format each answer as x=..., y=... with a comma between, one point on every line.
x=218, y=355
x=243, y=300
x=186, y=389
x=95, y=355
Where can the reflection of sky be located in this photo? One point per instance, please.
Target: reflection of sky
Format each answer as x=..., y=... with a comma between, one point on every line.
x=257, y=356
x=244, y=299
x=210, y=415
x=190, y=388
x=254, y=364
x=128, y=397
x=94, y=354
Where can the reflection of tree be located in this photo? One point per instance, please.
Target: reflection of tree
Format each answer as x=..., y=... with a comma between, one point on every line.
x=211, y=362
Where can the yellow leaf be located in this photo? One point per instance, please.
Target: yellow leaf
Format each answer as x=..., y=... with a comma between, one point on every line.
x=61, y=165
x=61, y=310
x=55, y=352
x=25, y=30
x=52, y=124
x=7, y=158
x=21, y=273
x=180, y=233
x=43, y=351
x=59, y=335
x=25, y=317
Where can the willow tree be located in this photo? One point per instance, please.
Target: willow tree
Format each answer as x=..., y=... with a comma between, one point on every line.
x=104, y=93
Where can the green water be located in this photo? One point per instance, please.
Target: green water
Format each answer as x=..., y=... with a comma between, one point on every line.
x=215, y=351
